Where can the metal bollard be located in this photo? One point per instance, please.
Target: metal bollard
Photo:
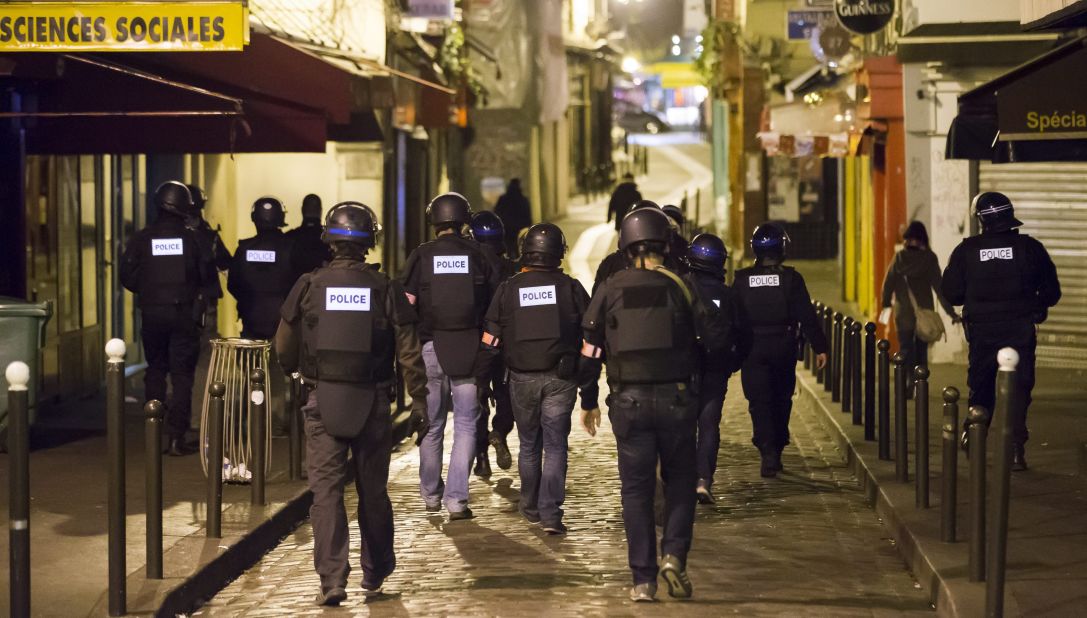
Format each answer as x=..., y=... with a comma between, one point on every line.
x=258, y=436
x=857, y=356
x=828, y=368
x=920, y=432
x=836, y=360
x=821, y=374
x=949, y=494
x=884, y=423
x=115, y=432
x=298, y=391
x=902, y=455
x=807, y=344
x=153, y=486
x=977, y=428
x=214, y=527
x=18, y=376
x=847, y=364
x=997, y=555
x=869, y=381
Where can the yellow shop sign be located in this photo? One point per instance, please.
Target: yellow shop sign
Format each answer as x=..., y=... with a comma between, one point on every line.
x=123, y=26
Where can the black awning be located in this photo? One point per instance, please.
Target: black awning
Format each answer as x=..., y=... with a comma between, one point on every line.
x=1035, y=112
x=964, y=43
x=1072, y=16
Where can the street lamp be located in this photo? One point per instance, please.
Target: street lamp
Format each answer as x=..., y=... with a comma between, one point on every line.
x=630, y=65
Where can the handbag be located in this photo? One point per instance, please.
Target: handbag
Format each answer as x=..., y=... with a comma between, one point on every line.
x=928, y=324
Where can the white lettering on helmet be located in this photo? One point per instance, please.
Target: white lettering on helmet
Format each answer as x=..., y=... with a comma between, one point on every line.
x=1001, y=253
x=760, y=281
x=253, y=255
x=451, y=265
x=539, y=295
x=347, y=299
x=167, y=246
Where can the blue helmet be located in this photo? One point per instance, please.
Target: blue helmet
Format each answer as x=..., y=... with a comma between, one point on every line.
x=769, y=241
x=707, y=253
x=351, y=222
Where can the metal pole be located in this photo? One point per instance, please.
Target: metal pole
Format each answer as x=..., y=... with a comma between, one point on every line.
x=977, y=428
x=298, y=391
x=857, y=355
x=18, y=376
x=153, y=484
x=215, y=460
x=115, y=432
x=1006, y=397
x=836, y=361
x=949, y=494
x=847, y=364
x=920, y=429
x=807, y=344
x=258, y=436
x=884, y=422
x=821, y=374
x=869, y=381
x=902, y=455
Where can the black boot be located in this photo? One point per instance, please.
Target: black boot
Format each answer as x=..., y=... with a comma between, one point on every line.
x=179, y=447
x=483, y=465
x=770, y=462
x=1019, y=459
x=501, y=451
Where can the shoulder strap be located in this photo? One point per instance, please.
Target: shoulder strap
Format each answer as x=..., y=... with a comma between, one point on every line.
x=674, y=277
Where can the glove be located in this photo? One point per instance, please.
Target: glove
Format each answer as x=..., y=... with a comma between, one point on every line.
x=419, y=422
x=485, y=394
x=885, y=316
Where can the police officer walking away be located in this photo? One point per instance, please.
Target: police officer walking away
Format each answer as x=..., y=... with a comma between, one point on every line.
x=725, y=345
x=310, y=251
x=168, y=269
x=534, y=318
x=451, y=282
x=1006, y=283
x=262, y=272
x=489, y=231
x=776, y=302
x=642, y=319
x=343, y=327
x=221, y=258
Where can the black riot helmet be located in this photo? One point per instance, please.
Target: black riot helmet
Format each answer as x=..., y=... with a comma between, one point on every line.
x=199, y=198
x=675, y=214
x=174, y=197
x=543, y=245
x=642, y=204
x=707, y=253
x=995, y=212
x=487, y=228
x=352, y=222
x=268, y=213
x=769, y=242
x=311, y=207
x=449, y=209
x=645, y=225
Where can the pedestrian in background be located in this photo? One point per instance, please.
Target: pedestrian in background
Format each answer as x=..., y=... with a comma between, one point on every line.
x=516, y=213
x=310, y=252
x=623, y=198
x=912, y=278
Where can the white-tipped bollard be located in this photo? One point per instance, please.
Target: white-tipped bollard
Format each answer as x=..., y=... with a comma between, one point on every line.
x=115, y=350
x=18, y=376
x=1006, y=413
x=1008, y=359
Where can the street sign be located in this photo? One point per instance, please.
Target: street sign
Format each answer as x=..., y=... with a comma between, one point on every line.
x=123, y=26
x=864, y=16
x=801, y=24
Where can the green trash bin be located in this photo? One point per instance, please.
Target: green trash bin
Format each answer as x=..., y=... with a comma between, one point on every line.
x=22, y=335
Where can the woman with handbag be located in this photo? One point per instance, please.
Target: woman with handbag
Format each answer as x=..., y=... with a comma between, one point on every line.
x=912, y=277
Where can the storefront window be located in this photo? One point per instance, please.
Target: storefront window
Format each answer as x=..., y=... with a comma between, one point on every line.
x=88, y=238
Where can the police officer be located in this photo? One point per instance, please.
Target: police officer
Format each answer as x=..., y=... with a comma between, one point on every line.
x=642, y=318
x=168, y=269
x=534, y=318
x=489, y=231
x=220, y=255
x=262, y=272
x=618, y=260
x=1006, y=283
x=677, y=243
x=776, y=302
x=725, y=345
x=450, y=281
x=310, y=251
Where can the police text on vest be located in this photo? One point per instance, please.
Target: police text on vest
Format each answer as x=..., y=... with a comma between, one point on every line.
x=167, y=246
x=762, y=281
x=450, y=264
x=1001, y=253
x=253, y=255
x=539, y=295
x=347, y=299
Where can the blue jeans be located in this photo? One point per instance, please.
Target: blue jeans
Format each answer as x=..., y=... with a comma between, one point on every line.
x=542, y=406
x=461, y=392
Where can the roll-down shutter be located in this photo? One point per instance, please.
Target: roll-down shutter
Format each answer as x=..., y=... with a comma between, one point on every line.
x=1051, y=200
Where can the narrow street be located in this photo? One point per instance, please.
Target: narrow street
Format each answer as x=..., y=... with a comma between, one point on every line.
x=802, y=544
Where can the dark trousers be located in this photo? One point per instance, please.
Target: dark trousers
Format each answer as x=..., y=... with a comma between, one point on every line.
x=986, y=340
x=542, y=405
x=711, y=400
x=769, y=378
x=171, y=344
x=502, y=421
x=915, y=352
x=328, y=468
x=655, y=423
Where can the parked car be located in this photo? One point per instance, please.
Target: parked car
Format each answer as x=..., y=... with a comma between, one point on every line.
x=642, y=121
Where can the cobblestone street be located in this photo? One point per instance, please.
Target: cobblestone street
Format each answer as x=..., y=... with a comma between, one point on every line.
x=802, y=544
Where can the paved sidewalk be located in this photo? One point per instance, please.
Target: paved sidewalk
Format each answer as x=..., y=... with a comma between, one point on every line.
x=802, y=544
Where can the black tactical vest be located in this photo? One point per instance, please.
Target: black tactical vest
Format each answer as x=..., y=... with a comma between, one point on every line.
x=995, y=265
x=346, y=334
x=169, y=275
x=764, y=292
x=545, y=321
x=649, y=329
x=452, y=286
x=715, y=317
x=265, y=264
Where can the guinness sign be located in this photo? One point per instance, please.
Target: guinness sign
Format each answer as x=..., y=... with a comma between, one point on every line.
x=864, y=16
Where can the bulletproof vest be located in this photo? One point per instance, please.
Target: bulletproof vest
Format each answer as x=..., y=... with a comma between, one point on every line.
x=452, y=286
x=649, y=329
x=995, y=264
x=265, y=264
x=169, y=274
x=713, y=315
x=545, y=322
x=765, y=294
x=346, y=334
